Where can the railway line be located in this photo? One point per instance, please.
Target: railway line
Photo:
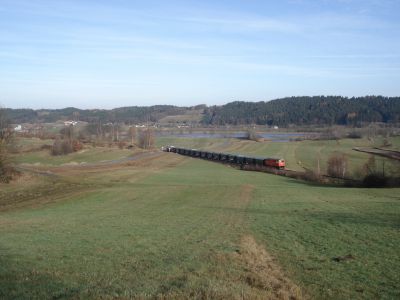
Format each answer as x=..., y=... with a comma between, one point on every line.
x=237, y=159
x=276, y=166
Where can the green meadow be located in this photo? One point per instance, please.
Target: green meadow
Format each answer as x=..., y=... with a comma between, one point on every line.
x=175, y=227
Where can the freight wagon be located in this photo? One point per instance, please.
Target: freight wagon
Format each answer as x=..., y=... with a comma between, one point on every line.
x=277, y=163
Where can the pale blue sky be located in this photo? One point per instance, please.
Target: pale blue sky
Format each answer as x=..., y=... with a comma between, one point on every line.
x=105, y=54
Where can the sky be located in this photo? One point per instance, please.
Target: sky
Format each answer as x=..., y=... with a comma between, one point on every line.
x=106, y=54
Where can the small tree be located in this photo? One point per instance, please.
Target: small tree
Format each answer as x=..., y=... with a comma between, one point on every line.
x=146, y=139
x=68, y=132
x=370, y=166
x=337, y=165
x=132, y=134
x=66, y=147
x=56, y=149
x=76, y=145
x=6, y=135
x=121, y=144
x=252, y=135
x=61, y=147
x=67, y=144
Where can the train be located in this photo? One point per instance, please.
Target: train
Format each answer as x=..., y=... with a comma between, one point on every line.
x=276, y=163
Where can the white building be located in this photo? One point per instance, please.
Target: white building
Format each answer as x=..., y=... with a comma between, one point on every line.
x=68, y=123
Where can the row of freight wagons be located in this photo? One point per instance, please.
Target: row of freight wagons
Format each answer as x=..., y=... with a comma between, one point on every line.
x=231, y=158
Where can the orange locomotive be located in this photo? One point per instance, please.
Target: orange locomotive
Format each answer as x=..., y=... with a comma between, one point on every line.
x=277, y=163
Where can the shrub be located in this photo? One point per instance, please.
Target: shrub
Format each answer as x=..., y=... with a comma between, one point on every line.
x=375, y=180
x=6, y=169
x=62, y=147
x=354, y=135
x=121, y=145
x=386, y=143
x=66, y=147
x=76, y=146
x=252, y=135
x=311, y=175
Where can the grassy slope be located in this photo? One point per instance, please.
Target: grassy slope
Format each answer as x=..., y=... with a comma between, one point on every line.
x=306, y=227
x=86, y=155
x=173, y=227
x=165, y=233
x=43, y=157
x=174, y=231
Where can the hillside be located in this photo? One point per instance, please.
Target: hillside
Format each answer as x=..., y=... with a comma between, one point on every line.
x=317, y=110
x=133, y=114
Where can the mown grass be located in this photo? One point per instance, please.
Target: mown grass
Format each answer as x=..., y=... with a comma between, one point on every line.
x=174, y=227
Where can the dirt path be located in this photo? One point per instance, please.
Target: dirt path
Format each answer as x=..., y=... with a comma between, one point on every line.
x=263, y=273
x=260, y=273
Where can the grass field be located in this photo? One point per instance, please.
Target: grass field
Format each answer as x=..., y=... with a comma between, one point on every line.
x=32, y=154
x=176, y=227
x=83, y=156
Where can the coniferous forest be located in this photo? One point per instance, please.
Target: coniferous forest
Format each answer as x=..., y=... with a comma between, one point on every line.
x=317, y=110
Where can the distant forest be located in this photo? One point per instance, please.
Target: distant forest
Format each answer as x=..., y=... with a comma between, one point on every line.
x=318, y=110
x=132, y=114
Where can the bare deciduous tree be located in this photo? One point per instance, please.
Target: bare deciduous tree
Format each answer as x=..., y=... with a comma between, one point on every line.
x=132, y=134
x=61, y=147
x=337, y=165
x=68, y=132
x=370, y=166
x=67, y=144
x=146, y=138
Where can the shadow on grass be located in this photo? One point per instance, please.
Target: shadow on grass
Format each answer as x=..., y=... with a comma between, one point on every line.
x=391, y=220
x=379, y=219
x=20, y=280
x=319, y=184
x=387, y=219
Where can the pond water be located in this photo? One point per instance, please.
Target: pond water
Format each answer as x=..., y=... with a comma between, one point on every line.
x=274, y=137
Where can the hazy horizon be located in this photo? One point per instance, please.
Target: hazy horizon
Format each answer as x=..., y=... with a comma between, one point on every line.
x=191, y=105
x=101, y=54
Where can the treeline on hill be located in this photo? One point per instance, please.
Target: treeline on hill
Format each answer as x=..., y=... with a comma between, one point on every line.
x=318, y=110
x=134, y=114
